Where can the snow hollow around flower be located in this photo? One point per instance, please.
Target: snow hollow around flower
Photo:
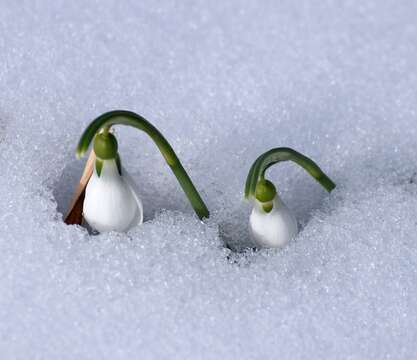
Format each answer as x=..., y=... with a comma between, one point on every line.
x=223, y=82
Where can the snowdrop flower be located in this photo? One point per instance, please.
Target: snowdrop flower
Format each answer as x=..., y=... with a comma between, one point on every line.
x=271, y=223
x=111, y=201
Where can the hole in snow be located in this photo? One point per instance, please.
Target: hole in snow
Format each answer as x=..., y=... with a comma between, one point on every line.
x=304, y=201
x=235, y=237
x=67, y=183
x=234, y=231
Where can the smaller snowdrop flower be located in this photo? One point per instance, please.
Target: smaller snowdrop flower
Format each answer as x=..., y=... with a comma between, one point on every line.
x=111, y=200
x=271, y=223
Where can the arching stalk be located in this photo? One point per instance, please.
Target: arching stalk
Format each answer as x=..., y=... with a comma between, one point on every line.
x=122, y=117
x=273, y=156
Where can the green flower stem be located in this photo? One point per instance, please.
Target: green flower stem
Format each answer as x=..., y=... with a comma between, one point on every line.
x=273, y=156
x=122, y=117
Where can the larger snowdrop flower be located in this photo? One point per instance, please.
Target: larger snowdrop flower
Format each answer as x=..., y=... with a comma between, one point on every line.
x=271, y=223
x=111, y=201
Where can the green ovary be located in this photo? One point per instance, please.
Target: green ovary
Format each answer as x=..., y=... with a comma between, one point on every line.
x=105, y=146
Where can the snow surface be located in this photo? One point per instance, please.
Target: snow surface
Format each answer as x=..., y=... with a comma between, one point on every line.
x=224, y=81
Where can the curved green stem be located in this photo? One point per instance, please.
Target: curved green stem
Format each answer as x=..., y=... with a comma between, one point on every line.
x=273, y=156
x=122, y=117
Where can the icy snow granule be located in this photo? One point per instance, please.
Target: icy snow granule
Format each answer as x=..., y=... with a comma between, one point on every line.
x=224, y=81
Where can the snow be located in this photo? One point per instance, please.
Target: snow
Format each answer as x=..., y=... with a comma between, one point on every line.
x=224, y=82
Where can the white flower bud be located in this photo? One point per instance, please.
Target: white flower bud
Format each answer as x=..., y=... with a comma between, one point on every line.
x=272, y=229
x=111, y=202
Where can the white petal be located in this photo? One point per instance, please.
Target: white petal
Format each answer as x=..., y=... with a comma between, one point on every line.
x=273, y=229
x=110, y=203
x=133, y=188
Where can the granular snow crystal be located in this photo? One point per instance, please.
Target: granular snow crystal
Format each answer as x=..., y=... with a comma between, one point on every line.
x=224, y=81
